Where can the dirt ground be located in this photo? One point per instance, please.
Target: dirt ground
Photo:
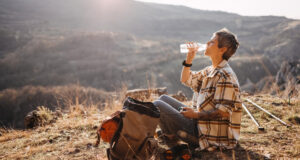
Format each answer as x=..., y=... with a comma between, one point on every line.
x=73, y=136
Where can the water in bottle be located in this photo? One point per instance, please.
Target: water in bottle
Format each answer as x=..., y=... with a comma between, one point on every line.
x=184, y=47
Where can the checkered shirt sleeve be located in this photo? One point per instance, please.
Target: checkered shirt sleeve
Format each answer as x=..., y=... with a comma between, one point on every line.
x=195, y=79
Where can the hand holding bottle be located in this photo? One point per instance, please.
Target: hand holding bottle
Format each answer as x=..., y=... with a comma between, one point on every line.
x=192, y=50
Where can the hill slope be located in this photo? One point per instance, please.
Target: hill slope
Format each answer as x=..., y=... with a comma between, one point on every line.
x=53, y=43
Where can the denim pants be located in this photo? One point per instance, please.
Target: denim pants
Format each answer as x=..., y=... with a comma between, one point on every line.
x=171, y=120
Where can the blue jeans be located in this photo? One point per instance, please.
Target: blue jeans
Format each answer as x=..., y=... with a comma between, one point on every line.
x=171, y=120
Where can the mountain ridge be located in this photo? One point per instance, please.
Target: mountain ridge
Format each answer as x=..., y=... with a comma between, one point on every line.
x=71, y=35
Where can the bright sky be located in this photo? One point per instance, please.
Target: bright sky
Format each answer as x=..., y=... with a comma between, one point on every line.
x=287, y=8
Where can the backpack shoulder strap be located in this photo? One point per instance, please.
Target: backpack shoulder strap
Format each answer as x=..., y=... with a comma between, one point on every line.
x=116, y=136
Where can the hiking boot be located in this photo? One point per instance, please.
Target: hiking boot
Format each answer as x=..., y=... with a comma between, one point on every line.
x=185, y=154
x=179, y=152
x=168, y=139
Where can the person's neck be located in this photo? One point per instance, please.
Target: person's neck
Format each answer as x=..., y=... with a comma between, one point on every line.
x=216, y=61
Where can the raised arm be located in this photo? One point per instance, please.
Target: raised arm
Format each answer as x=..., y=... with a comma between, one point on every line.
x=185, y=73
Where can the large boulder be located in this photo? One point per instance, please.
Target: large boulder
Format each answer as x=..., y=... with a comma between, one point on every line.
x=180, y=96
x=288, y=74
x=144, y=94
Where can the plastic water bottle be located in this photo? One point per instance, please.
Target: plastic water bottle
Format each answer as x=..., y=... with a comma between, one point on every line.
x=184, y=47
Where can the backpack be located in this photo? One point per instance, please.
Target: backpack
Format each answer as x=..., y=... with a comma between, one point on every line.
x=133, y=138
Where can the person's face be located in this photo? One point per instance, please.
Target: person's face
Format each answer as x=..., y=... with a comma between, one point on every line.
x=212, y=49
x=212, y=46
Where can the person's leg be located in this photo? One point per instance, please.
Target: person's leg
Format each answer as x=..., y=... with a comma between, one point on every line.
x=172, y=121
x=172, y=101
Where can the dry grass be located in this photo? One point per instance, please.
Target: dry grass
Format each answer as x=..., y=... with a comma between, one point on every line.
x=71, y=137
x=16, y=103
x=278, y=141
x=74, y=134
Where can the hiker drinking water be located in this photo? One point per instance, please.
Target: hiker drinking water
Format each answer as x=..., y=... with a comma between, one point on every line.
x=215, y=119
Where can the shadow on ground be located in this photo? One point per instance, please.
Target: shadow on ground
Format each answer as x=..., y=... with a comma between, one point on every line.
x=236, y=153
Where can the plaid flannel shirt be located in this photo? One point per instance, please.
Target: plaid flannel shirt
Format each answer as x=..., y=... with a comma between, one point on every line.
x=217, y=89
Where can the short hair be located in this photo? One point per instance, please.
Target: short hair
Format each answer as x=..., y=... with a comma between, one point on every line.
x=228, y=40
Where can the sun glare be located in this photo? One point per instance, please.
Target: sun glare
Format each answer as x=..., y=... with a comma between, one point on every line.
x=109, y=4
x=108, y=7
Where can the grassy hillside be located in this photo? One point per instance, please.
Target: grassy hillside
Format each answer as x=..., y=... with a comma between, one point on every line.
x=105, y=60
x=73, y=135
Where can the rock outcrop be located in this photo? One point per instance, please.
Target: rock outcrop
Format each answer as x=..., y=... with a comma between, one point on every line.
x=180, y=96
x=143, y=94
x=289, y=72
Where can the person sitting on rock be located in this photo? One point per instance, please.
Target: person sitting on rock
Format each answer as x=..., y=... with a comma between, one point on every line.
x=215, y=120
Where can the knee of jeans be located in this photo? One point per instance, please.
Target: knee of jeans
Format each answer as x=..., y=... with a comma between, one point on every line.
x=161, y=105
x=157, y=103
x=164, y=96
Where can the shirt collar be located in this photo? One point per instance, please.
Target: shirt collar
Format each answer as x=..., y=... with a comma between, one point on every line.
x=222, y=64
